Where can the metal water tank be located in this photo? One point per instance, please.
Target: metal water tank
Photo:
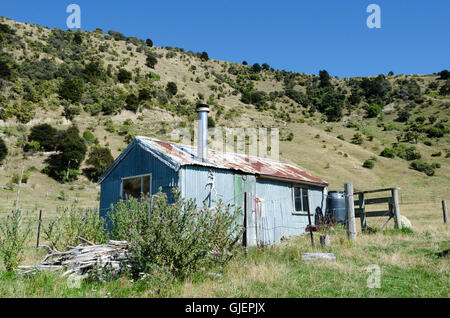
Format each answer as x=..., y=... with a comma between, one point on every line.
x=336, y=206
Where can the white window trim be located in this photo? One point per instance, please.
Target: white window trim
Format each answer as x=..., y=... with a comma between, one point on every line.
x=134, y=177
x=294, y=212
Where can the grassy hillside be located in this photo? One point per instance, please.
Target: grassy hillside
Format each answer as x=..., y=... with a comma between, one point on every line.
x=317, y=115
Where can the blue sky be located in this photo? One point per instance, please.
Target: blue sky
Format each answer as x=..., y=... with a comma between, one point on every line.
x=301, y=36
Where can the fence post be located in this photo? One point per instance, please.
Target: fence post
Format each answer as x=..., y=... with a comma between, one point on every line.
x=444, y=211
x=362, y=216
x=396, y=206
x=39, y=229
x=350, y=204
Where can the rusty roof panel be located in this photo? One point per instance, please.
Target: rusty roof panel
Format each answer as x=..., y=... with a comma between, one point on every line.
x=185, y=155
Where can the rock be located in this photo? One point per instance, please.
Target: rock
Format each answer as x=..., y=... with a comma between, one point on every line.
x=318, y=256
x=405, y=222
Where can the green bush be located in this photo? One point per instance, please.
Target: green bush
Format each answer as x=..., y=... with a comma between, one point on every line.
x=72, y=223
x=151, y=61
x=357, y=139
x=99, y=160
x=89, y=137
x=204, y=56
x=132, y=103
x=3, y=150
x=180, y=237
x=124, y=76
x=341, y=137
x=407, y=153
x=12, y=240
x=172, y=88
x=436, y=154
x=45, y=135
x=149, y=42
x=369, y=164
x=421, y=166
x=388, y=153
x=72, y=89
x=373, y=110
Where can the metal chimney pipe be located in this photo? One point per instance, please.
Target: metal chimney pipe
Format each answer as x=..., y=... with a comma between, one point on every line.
x=202, y=151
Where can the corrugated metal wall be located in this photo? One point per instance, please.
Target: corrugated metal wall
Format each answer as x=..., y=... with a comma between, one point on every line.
x=275, y=218
x=196, y=184
x=137, y=162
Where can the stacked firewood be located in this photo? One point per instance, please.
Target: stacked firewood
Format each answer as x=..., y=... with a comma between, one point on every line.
x=80, y=259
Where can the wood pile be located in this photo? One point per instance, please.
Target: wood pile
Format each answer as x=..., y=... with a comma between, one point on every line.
x=80, y=259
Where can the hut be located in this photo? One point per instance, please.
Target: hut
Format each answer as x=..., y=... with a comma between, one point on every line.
x=276, y=196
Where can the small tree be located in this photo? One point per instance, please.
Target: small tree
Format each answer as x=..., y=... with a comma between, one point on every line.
x=3, y=150
x=124, y=76
x=5, y=71
x=132, y=103
x=172, y=88
x=72, y=89
x=151, y=61
x=149, y=42
x=99, y=160
x=204, y=56
x=45, y=135
x=373, y=110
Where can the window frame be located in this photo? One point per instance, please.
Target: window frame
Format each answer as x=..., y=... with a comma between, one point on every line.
x=302, y=188
x=142, y=184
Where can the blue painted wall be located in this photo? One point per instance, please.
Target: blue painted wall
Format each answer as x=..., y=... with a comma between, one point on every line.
x=137, y=162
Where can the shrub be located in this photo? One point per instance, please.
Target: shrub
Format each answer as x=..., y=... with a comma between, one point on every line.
x=5, y=71
x=89, y=137
x=180, y=237
x=3, y=150
x=403, y=116
x=12, y=240
x=124, y=76
x=72, y=223
x=71, y=150
x=117, y=35
x=172, y=88
x=388, y=153
x=407, y=153
x=149, y=42
x=151, y=61
x=421, y=166
x=373, y=110
x=341, y=137
x=256, y=68
x=204, y=56
x=132, y=103
x=369, y=164
x=99, y=160
x=357, y=139
x=436, y=154
x=45, y=135
x=72, y=89
x=16, y=178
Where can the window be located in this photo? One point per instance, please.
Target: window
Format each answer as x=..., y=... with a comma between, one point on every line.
x=300, y=196
x=135, y=187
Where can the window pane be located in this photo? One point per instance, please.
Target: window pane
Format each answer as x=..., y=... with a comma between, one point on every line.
x=297, y=199
x=146, y=185
x=132, y=188
x=305, y=200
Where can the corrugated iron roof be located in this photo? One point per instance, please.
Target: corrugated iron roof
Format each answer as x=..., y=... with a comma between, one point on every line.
x=176, y=155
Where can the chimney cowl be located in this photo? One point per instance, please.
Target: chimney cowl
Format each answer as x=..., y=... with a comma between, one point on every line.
x=202, y=108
